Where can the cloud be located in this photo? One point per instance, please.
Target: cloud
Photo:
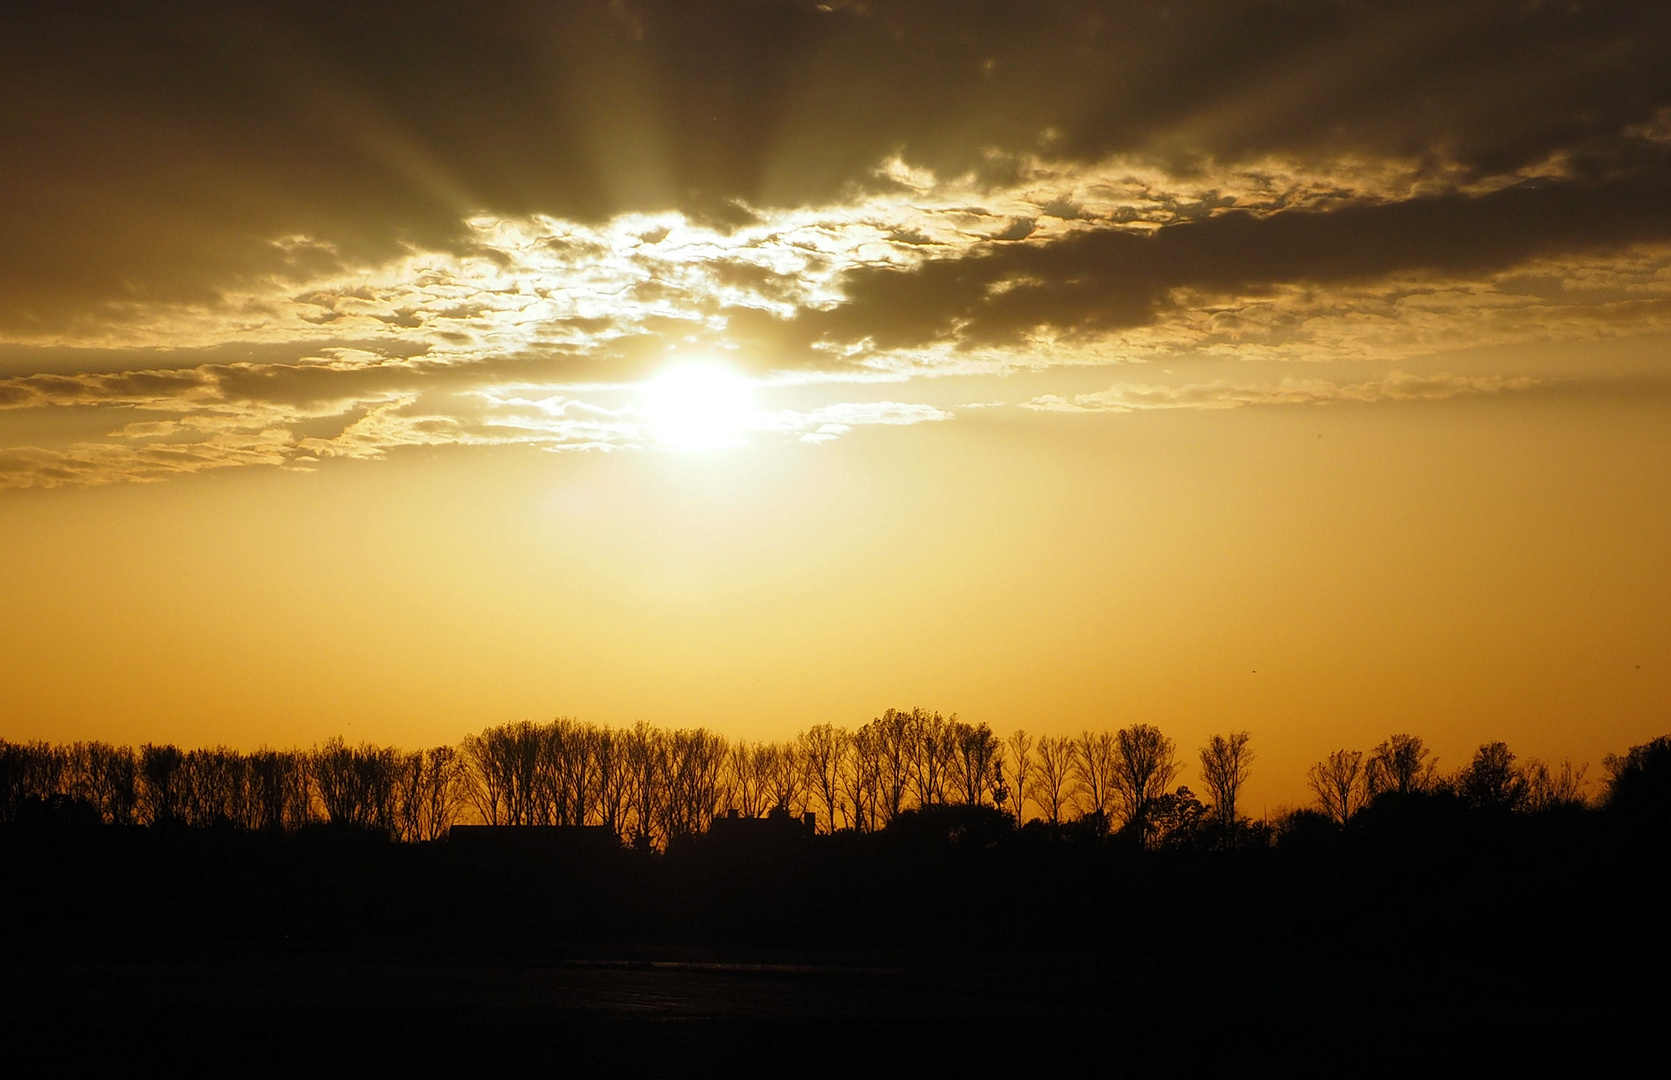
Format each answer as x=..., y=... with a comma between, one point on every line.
x=1224, y=394
x=833, y=421
x=236, y=238
x=218, y=418
x=85, y=464
x=1109, y=280
x=166, y=154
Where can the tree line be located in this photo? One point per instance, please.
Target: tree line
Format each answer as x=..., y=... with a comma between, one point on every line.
x=649, y=785
x=1347, y=781
x=411, y=795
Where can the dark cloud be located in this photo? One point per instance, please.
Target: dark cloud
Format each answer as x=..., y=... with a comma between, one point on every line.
x=162, y=152
x=1115, y=279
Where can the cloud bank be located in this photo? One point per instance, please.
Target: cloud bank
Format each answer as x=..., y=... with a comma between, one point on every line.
x=467, y=226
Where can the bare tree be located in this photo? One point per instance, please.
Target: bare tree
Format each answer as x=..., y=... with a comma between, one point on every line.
x=1053, y=782
x=745, y=785
x=785, y=777
x=28, y=771
x=1144, y=767
x=162, y=795
x=694, y=761
x=216, y=788
x=1019, y=761
x=510, y=774
x=1095, y=757
x=1339, y=784
x=931, y=750
x=895, y=746
x=105, y=777
x=1547, y=789
x=488, y=775
x=1225, y=763
x=429, y=795
x=822, y=750
x=1401, y=764
x=647, y=763
x=528, y=787
x=357, y=785
x=443, y=792
x=614, y=782
x=279, y=798
x=569, y=771
x=976, y=763
x=861, y=778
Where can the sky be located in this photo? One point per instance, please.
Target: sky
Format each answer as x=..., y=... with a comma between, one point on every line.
x=393, y=370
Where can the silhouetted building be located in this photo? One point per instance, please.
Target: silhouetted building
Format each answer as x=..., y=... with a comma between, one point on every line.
x=534, y=839
x=777, y=826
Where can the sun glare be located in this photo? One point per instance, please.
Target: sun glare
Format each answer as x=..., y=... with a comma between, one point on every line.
x=698, y=406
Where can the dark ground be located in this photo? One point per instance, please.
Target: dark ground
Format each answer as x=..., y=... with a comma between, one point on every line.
x=281, y=1013
x=1507, y=948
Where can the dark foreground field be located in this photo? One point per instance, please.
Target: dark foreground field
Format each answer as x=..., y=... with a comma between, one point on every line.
x=1495, y=946
x=236, y=1011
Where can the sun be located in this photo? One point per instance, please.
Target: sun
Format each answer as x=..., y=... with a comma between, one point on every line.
x=698, y=405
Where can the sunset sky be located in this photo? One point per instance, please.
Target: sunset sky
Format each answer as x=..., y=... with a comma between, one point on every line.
x=393, y=370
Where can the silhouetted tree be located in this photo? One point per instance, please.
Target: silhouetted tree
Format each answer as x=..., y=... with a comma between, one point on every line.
x=568, y=773
x=1338, y=783
x=932, y=748
x=745, y=777
x=1639, y=784
x=106, y=777
x=162, y=794
x=785, y=777
x=861, y=778
x=31, y=772
x=647, y=764
x=1053, y=780
x=975, y=766
x=216, y=787
x=694, y=761
x=528, y=788
x=1490, y=781
x=1548, y=789
x=14, y=762
x=1095, y=758
x=505, y=773
x=822, y=749
x=356, y=785
x=1176, y=819
x=614, y=782
x=1018, y=759
x=429, y=794
x=1144, y=767
x=1401, y=765
x=895, y=749
x=279, y=796
x=1225, y=763
x=1306, y=828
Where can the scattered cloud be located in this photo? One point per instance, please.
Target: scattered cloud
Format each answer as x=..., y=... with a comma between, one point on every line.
x=1224, y=394
x=833, y=421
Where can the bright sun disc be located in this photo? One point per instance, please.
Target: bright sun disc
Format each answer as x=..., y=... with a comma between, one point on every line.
x=698, y=406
